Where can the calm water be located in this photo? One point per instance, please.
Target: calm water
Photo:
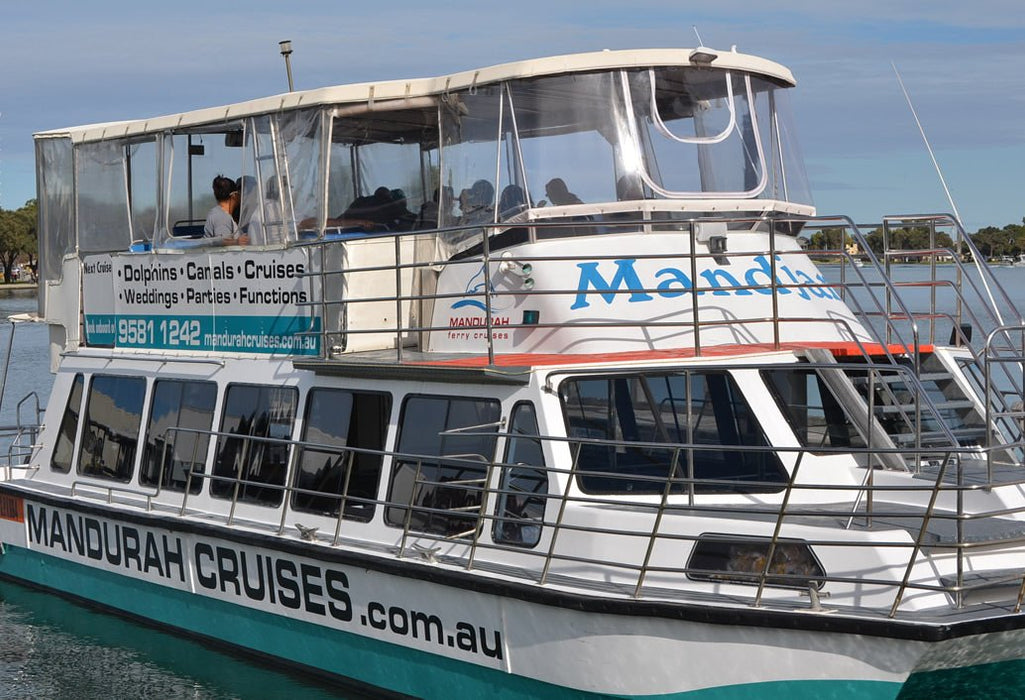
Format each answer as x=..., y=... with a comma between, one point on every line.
x=51, y=648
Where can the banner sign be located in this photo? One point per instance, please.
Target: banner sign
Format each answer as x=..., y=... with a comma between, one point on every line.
x=246, y=302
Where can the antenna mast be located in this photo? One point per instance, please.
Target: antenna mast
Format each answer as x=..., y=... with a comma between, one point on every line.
x=927, y=146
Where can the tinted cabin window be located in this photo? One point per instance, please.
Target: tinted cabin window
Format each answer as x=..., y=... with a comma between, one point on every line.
x=252, y=414
x=815, y=415
x=442, y=472
x=325, y=476
x=169, y=455
x=520, y=507
x=64, y=450
x=112, y=416
x=667, y=412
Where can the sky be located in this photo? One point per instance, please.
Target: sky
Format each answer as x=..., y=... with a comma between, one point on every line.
x=963, y=64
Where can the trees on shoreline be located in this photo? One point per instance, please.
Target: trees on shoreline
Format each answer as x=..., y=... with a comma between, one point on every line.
x=18, y=237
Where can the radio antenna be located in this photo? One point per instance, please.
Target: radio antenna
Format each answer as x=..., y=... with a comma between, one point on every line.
x=927, y=146
x=695, y=28
x=957, y=216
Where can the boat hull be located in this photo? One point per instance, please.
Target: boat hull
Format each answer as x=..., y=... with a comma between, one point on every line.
x=400, y=627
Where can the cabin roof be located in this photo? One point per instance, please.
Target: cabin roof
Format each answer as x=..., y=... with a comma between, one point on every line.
x=395, y=94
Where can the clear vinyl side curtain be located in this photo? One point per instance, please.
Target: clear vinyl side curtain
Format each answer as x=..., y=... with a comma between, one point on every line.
x=55, y=177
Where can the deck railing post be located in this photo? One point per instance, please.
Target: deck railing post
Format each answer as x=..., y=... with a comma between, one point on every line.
x=776, y=530
x=407, y=521
x=695, y=318
x=926, y=517
x=658, y=522
x=351, y=458
x=571, y=477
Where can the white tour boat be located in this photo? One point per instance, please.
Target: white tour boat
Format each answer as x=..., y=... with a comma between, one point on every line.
x=523, y=386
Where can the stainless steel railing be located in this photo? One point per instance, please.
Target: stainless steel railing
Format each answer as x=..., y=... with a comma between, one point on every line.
x=820, y=510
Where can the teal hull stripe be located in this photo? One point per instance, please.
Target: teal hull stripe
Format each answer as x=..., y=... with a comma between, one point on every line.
x=293, y=335
x=392, y=666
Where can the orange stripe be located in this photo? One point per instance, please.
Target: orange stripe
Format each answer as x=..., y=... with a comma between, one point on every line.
x=839, y=349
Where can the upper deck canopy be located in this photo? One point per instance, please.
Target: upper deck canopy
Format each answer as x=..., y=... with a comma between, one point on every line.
x=372, y=93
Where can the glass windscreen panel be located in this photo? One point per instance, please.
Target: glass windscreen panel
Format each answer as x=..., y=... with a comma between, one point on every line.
x=143, y=187
x=64, y=447
x=181, y=416
x=663, y=133
x=110, y=435
x=698, y=131
x=340, y=457
x=813, y=411
x=252, y=455
x=446, y=444
x=631, y=433
x=522, y=495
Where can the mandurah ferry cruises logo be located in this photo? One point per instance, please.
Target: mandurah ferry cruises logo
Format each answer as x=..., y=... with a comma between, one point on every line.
x=469, y=324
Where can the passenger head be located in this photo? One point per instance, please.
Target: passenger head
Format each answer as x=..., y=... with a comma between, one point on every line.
x=382, y=195
x=224, y=188
x=629, y=188
x=557, y=191
x=512, y=198
x=482, y=193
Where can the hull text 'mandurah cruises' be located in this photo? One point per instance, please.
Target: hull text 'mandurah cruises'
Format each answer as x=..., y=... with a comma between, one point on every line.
x=525, y=382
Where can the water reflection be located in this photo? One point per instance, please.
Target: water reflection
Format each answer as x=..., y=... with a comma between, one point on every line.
x=51, y=648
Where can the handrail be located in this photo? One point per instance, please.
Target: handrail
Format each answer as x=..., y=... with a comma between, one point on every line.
x=662, y=506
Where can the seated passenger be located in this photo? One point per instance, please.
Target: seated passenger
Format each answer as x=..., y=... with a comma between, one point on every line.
x=558, y=193
x=430, y=212
x=478, y=207
x=628, y=189
x=398, y=214
x=220, y=220
x=369, y=213
x=511, y=202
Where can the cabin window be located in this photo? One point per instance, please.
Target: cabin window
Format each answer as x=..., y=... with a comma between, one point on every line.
x=294, y=190
x=471, y=131
x=568, y=129
x=340, y=460
x=252, y=460
x=113, y=413
x=384, y=168
x=446, y=444
x=699, y=131
x=636, y=431
x=169, y=454
x=192, y=161
x=722, y=558
x=812, y=410
x=143, y=186
x=64, y=449
x=522, y=496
